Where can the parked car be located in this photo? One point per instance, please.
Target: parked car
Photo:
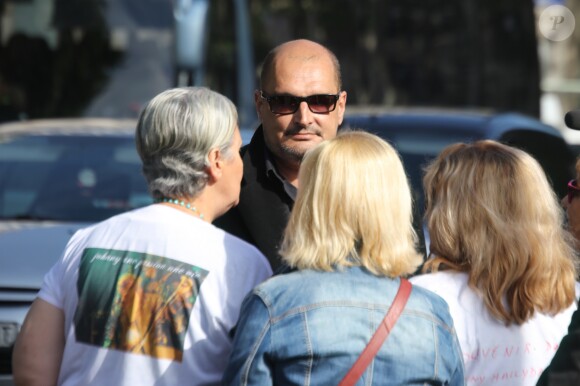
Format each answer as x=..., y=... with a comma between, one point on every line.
x=420, y=134
x=56, y=176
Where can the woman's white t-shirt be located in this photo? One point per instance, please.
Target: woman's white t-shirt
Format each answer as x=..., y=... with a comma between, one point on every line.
x=493, y=353
x=150, y=297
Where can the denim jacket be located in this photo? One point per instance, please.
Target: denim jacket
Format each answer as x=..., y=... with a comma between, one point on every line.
x=308, y=328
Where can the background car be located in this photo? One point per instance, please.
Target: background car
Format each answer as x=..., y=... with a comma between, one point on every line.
x=56, y=176
x=420, y=134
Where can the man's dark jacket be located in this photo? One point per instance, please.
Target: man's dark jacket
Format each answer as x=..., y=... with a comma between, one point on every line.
x=262, y=214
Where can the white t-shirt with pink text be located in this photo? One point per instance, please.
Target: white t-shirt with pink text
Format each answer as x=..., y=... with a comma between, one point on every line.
x=496, y=354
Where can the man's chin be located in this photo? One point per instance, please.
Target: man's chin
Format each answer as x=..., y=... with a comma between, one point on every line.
x=297, y=150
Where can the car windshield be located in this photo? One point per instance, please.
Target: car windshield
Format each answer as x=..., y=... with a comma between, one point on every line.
x=69, y=177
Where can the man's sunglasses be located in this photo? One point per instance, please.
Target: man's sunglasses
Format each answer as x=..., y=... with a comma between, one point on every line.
x=573, y=190
x=289, y=104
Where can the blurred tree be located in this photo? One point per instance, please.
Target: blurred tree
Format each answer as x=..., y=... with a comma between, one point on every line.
x=448, y=53
x=37, y=80
x=460, y=53
x=27, y=70
x=83, y=56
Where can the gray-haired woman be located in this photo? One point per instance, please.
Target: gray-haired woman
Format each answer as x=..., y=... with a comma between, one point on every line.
x=125, y=304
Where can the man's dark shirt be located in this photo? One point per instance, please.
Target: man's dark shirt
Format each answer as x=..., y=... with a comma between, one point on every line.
x=265, y=202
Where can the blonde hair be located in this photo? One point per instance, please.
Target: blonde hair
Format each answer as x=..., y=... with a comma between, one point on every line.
x=353, y=208
x=492, y=213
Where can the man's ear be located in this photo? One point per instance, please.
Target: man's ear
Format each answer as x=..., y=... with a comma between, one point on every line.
x=258, y=103
x=341, y=106
x=216, y=164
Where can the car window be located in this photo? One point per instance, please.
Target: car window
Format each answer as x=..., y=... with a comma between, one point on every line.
x=70, y=178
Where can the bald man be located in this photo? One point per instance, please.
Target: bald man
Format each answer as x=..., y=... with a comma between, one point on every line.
x=300, y=103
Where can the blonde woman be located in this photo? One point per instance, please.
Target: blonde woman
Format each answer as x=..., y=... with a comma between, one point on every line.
x=350, y=239
x=500, y=258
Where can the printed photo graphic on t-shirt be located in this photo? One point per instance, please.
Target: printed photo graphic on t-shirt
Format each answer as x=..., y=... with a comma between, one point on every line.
x=135, y=302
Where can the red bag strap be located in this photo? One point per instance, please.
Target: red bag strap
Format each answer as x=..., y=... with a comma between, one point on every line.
x=365, y=358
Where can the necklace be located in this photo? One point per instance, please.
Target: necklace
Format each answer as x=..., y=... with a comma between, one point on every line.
x=182, y=203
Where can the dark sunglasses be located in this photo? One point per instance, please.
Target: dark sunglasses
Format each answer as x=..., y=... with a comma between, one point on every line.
x=573, y=190
x=289, y=104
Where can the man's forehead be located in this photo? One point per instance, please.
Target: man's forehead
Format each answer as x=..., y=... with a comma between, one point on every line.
x=313, y=68
x=301, y=57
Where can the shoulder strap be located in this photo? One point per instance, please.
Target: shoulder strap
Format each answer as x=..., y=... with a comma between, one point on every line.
x=379, y=336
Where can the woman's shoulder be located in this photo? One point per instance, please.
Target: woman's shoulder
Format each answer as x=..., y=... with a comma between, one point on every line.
x=446, y=279
x=285, y=283
x=237, y=251
x=309, y=287
x=432, y=292
x=426, y=299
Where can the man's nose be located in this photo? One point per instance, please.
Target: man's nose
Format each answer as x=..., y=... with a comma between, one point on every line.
x=303, y=115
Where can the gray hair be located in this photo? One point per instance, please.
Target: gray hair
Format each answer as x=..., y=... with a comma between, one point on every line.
x=175, y=133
